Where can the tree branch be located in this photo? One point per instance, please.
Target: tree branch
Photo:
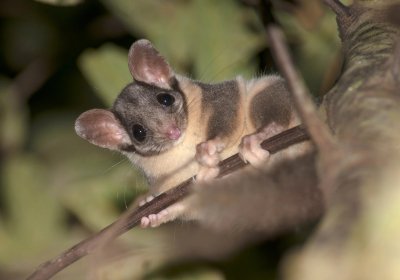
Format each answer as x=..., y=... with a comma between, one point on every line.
x=32, y=78
x=306, y=108
x=355, y=239
x=338, y=8
x=329, y=152
x=133, y=216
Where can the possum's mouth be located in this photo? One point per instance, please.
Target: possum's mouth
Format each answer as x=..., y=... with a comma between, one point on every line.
x=180, y=139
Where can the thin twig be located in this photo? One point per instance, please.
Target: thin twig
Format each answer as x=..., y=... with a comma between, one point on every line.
x=338, y=8
x=306, y=108
x=329, y=152
x=343, y=15
x=32, y=78
x=133, y=216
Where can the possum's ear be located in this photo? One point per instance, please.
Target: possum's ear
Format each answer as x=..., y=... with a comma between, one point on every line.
x=101, y=128
x=147, y=65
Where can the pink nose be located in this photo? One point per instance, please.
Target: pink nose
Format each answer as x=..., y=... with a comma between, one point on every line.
x=173, y=133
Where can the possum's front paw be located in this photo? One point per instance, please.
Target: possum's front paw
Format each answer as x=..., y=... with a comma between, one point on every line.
x=154, y=220
x=250, y=149
x=164, y=216
x=208, y=157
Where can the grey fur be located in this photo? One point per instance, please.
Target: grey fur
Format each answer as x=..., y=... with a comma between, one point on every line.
x=272, y=104
x=222, y=100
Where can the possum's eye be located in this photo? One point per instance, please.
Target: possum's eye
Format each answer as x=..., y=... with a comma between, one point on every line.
x=165, y=99
x=139, y=132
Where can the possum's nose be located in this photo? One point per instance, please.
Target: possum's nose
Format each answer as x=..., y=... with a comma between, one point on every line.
x=173, y=133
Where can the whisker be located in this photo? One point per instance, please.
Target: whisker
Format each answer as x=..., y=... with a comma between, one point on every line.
x=114, y=165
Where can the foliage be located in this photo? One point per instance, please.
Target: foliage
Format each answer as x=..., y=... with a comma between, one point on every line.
x=61, y=59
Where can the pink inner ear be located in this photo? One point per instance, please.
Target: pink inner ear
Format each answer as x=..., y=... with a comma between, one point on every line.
x=148, y=66
x=101, y=128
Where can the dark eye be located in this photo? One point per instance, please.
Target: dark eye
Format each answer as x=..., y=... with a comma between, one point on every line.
x=139, y=132
x=165, y=99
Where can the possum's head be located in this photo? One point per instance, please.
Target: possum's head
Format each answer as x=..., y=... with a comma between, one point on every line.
x=148, y=117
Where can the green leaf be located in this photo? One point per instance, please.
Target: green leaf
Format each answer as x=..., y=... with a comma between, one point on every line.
x=13, y=121
x=197, y=273
x=93, y=200
x=106, y=69
x=213, y=36
x=34, y=217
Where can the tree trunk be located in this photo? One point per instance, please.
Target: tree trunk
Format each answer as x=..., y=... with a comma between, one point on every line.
x=358, y=237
